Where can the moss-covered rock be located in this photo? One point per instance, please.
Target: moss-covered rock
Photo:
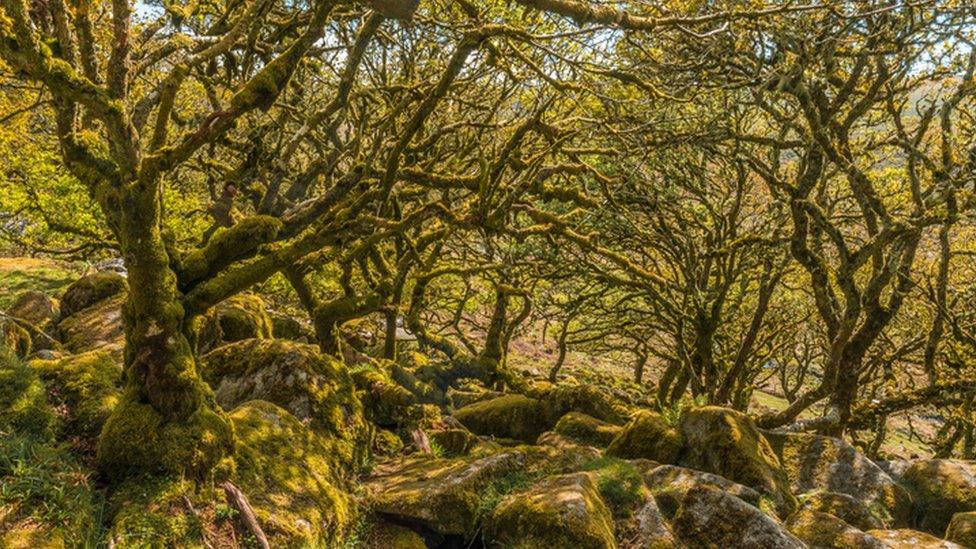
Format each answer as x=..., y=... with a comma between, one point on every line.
x=818, y=463
x=286, y=326
x=941, y=488
x=240, y=317
x=24, y=408
x=727, y=442
x=592, y=400
x=453, y=442
x=287, y=472
x=845, y=507
x=649, y=529
x=443, y=495
x=620, y=484
x=97, y=327
x=647, y=436
x=825, y=530
x=962, y=529
x=904, y=538
x=15, y=337
x=669, y=484
x=386, y=535
x=384, y=400
x=300, y=379
x=37, y=308
x=714, y=519
x=152, y=512
x=560, y=511
x=86, y=387
x=137, y=440
x=386, y=443
x=510, y=416
x=586, y=429
x=470, y=393
x=91, y=289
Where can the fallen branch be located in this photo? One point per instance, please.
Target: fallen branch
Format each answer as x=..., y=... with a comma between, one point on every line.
x=238, y=501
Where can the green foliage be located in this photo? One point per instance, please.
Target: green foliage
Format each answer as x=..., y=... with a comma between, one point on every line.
x=620, y=484
x=23, y=399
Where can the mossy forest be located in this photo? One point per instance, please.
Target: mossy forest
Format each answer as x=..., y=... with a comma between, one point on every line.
x=470, y=274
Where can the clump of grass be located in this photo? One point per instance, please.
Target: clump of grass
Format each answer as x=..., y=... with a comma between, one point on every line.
x=620, y=484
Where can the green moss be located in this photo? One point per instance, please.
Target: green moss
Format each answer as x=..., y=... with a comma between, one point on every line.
x=591, y=400
x=300, y=379
x=562, y=511
x=962, y=529
x=386, y=443
x=152, y=512
x=15, y=337
x=91, y=289
x=87, y=386
x=510, y=416
x=24, y=408
x=240, y=317
x=647, y=436
x=586, y=429
x=228, y=244
x=844, y=507
x=95, y=327
x=941, y=488
x=46, y=499
x=727, y=442
x=384, y=400
x=385, y=535
x=453, y=442
x=825, y=530
x=136, y=440
x=288, y=475
x=620, y=484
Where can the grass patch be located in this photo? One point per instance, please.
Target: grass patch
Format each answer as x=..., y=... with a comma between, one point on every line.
x=620, y=484
x=19, y=274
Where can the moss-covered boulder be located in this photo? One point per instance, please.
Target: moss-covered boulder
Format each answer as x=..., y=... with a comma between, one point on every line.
x=712, y=518
x=386, y=535
x=453, y=442
x=669, y=484
x=962, y=529
x=818, y=463
x=296, y=376
x=845, y=507
x=36, y=308
x=825, y=530
x=86, y=388
x=649, y=529
x=24, y=408
x=289, y=475
x=98, y=327
x=727, y=442
x=240, y=317
x=592, y=400
x=443, y=495
x=287, y=326
x=647, y=436
x=560, y=511
x=942, y=488
x=620, y=485
x=904, y=538
x=510, y=416
x=14, y=336
x=586, y=429
x=91, y=289
x=152, y=512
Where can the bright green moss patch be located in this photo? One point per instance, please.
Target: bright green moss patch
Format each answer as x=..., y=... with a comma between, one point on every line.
x=23, y=399
x=152, y=512
x=137, y=441
x=510, y=416
x=87, y=385
x=647, y=436
x=91, y=289
x=287, y=472
x=586, y=429
x=619, y=483
x=237, y=318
